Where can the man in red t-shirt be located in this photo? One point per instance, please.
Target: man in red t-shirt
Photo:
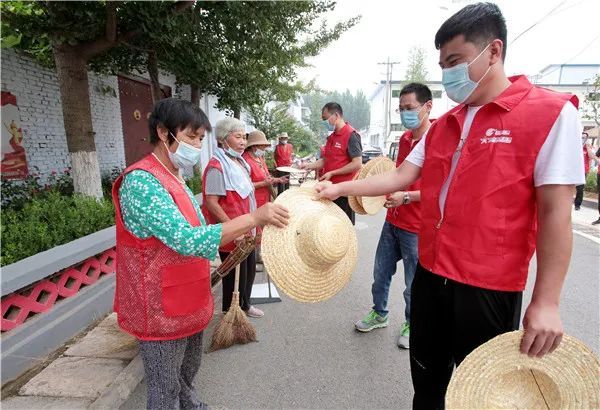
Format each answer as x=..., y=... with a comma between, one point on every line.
x=399, y=235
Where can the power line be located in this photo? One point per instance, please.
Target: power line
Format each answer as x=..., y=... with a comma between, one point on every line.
x=537, y=22
x=575, y=56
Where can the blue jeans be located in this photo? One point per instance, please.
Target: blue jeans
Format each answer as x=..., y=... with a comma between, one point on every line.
x=394, y=244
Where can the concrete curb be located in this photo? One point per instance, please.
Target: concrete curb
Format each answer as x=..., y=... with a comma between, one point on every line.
x=119, y=390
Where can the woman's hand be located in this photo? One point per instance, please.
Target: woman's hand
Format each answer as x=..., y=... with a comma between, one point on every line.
x=271, y=214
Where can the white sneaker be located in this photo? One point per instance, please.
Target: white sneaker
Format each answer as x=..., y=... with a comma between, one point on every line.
x=254, y=312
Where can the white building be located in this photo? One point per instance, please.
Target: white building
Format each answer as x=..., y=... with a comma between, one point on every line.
x=566, y=78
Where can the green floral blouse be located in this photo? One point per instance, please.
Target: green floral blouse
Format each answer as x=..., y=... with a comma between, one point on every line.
x=149, y=210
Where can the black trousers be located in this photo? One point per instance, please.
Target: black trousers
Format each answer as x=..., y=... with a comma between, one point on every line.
x=282, y=187
x=579, y=195
x=449, y=320
x=247, y=274
x=342, y=202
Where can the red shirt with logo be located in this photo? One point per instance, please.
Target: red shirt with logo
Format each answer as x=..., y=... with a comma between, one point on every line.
x=335, y=154
x=283, y=155
x=406, y=217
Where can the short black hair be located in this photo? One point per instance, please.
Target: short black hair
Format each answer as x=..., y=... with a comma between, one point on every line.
x=422, y=92
x=333, y=107
x=480, y=23
x=176, y=115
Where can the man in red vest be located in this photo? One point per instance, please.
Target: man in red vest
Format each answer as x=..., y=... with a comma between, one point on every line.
x=586, y=163
x=497, y=178
x=283, y=154
x=399, y=235
x=342, y=156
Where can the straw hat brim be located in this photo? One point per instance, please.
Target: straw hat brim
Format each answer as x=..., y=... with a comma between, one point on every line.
x=376, y=166
x=264, y=143
x=290, y=170
x=283, y=262
x=498, y=375
x=353, y=201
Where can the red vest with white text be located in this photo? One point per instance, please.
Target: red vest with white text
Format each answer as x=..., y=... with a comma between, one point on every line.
x=487, y=235
x=283, y=155
x=160, y=294
x=232, y=203
x=406, y=217
x=335, y=154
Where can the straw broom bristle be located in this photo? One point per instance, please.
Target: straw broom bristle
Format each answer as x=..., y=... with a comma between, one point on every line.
x=233, y=328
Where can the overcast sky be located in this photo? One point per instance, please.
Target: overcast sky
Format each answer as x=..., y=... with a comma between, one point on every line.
x=390, y=28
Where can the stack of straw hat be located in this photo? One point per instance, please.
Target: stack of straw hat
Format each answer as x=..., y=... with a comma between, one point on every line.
x=497, y=375
x=364, y=205
x=313, y=257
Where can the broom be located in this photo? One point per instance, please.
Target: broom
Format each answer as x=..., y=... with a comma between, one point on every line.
x=234, y=327
x=241, y=252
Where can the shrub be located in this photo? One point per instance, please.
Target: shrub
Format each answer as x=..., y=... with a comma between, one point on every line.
x=591, y=182
x=50, y=220
x=15, y=194
x=108, y=178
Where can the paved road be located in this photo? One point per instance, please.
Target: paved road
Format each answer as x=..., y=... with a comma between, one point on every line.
x=309, y=356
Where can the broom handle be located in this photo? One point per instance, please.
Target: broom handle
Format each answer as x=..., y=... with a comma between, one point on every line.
x=237, y=278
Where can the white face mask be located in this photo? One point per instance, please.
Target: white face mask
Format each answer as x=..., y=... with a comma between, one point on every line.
x=259, y=152
x=186, y=155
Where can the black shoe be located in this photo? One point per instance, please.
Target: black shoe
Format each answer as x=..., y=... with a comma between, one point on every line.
x=596, y=222
x=577, y=207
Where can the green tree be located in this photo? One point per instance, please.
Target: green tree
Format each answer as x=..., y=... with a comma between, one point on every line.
x=416, y=70
x=275, y=119
x=591, y=103
x=357, y=110
x=73, y=36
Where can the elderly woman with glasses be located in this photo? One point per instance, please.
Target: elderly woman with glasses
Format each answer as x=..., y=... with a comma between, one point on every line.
x=164, y=245
x=228, y=193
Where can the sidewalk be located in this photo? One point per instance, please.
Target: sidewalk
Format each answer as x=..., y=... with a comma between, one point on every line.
x=97, y=369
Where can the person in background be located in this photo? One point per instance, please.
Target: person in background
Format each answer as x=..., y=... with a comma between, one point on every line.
x=228, y=193
x=263, y=182
x=494, y=190
x=163, y=296
x=399, y=235
x=342, y=157
x=586, y=163
x=596, y=157
x=283, y=156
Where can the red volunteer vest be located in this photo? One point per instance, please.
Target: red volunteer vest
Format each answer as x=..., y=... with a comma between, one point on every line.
x=258, y=173
x=487, y=235
x=407, y=217
x=232, y=203
x=335, y=153
x=283, y=155
x=586, y=160
x=160, y=294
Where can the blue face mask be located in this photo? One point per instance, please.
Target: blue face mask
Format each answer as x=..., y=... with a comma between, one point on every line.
x=259, y=153
x=457, y=83
x=233, y=153
x=186, y=155
x=410, y=119
x=327, y=125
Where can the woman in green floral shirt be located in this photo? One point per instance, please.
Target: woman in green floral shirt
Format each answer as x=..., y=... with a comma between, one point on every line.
x=163, y=292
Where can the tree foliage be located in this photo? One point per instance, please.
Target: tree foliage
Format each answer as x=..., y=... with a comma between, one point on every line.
x=356, y=107
x=416, y=70
x=591, y=103
x=275, y=119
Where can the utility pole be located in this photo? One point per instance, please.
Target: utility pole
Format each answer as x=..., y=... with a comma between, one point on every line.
x=387, y=119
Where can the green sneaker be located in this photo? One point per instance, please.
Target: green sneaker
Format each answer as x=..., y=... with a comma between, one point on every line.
x=372, y=321
x=404, y=336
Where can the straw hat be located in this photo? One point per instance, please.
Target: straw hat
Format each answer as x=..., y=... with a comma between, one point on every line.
x=497, y=375
x=312, y=258
x=371, y=204
x=283, y=135
x=257, y=137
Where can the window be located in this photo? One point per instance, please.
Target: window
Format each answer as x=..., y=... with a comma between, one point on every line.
x=395, y=93
x=437, y=93
x=396, y=127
